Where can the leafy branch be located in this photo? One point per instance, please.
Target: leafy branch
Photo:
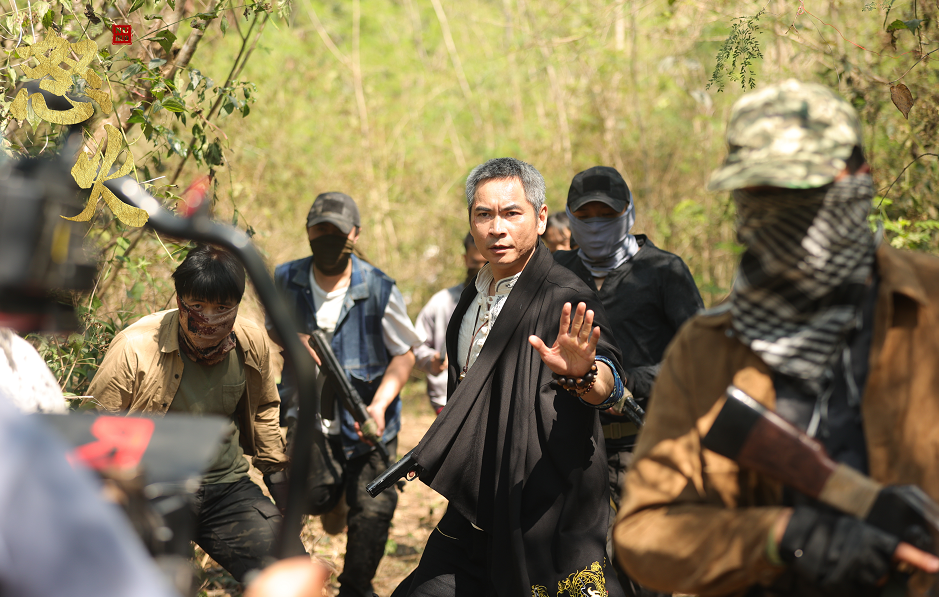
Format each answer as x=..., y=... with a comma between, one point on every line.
x=740, y=49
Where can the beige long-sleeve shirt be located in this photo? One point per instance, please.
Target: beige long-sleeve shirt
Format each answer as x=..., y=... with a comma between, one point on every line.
x=142, y=369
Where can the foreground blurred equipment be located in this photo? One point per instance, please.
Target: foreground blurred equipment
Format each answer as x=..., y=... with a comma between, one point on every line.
x=42, y=263
x=833, y=331
x=60, y=537
x=43, y=260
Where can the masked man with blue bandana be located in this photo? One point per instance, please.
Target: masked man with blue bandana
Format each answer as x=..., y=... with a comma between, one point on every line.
x=363, y=312
x=647, y=293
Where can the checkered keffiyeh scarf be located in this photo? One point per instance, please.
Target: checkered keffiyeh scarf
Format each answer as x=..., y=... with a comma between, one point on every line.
x=809, y=255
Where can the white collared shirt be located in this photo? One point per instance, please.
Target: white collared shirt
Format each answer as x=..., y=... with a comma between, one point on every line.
x=481, y=316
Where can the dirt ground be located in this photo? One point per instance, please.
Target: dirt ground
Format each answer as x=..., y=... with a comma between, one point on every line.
x=419, y=509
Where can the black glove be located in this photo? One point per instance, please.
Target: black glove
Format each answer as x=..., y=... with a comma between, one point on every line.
x=278, y=484
x=839, y=554
x=893, y=513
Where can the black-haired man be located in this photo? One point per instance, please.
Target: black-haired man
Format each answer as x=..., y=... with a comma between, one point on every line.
x=201, y=358
x=434, y=317
x=557, y=233
x=364, y=313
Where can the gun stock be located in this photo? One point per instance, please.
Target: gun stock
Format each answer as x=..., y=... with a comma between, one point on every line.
x=762, y=441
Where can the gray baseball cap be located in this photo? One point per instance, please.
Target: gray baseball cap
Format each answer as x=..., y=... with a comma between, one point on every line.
x=600, y=183
x=792, y=135
x=336, y=208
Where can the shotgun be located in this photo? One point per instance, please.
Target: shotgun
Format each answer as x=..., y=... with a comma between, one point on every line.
x=760, y=440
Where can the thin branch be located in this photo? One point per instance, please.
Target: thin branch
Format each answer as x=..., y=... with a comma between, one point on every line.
x=935, y=155
x=451, y=49
x=914, y=65
x=245, y=53
x=324, y=35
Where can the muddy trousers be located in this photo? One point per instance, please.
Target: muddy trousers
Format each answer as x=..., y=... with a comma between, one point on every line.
x=368, y=519
x=237, y=525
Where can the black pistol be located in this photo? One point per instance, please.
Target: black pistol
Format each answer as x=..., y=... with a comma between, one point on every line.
x=394, y=473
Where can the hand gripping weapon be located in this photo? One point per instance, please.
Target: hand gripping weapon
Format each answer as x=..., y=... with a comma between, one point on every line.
x=760, y=440
x=350, y=397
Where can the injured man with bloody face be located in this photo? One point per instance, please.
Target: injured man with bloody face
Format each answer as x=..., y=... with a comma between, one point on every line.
x=202, y=358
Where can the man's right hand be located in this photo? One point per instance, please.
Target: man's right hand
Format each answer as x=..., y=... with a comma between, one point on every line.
x=305, y=340
x=843, y=555
x=438, y=365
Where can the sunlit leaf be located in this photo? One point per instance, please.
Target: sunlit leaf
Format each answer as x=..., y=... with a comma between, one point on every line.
x=165, y=38
x=174, y=105
x=902, y=98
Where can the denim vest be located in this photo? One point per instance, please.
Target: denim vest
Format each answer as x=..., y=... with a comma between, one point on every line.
x=357, y=339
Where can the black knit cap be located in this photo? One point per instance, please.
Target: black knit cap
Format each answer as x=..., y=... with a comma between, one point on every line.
x=600, y=183
x=336, y=208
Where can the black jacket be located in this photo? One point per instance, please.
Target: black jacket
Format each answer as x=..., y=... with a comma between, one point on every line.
x=516, y=455
x=646, y=300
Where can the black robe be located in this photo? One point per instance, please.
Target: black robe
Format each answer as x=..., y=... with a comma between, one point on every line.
x=519, y=457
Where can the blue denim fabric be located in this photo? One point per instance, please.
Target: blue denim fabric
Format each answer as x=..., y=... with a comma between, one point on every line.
x=357, y=340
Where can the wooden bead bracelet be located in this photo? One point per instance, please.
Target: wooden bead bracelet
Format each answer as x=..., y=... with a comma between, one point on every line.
x=578, y=386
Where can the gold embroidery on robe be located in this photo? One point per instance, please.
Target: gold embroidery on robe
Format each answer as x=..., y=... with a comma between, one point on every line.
x=588, y=582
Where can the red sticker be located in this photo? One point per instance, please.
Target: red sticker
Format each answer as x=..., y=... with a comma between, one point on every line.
x=121, y=443
x=120, y=35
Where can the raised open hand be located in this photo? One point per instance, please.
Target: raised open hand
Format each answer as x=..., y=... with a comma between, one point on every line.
x=575, y=349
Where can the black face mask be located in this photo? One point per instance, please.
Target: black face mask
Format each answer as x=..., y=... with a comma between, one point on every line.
x=331, y=253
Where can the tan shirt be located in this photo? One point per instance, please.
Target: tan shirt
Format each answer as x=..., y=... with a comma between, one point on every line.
x=690, y=520
x=141, y=374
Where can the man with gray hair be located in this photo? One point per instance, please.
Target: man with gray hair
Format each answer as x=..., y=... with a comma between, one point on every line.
x=518, y=451
x=827, y=326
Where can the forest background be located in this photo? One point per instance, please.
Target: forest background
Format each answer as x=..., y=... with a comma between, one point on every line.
x=394, y=101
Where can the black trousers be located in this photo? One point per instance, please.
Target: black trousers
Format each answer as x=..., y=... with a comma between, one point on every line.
x=237, y=525
x=617, y=461
x=455, y=563
x=368, y=518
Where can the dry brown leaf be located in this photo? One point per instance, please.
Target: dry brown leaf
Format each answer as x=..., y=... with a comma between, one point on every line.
x=902, y=98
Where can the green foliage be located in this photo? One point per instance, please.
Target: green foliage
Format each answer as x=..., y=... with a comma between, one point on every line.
x=155, y=91
x=740, y=49
x=864, y=57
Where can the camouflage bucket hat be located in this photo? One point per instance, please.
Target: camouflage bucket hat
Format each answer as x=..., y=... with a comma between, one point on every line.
x=792, y=135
